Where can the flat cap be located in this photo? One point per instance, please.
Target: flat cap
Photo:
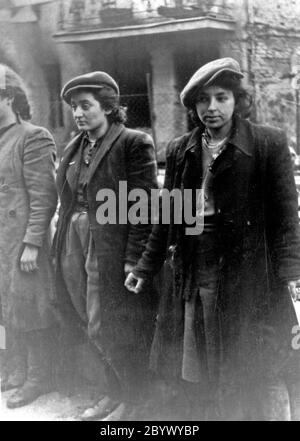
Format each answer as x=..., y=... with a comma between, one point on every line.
x=207, y=74
x=91, y=80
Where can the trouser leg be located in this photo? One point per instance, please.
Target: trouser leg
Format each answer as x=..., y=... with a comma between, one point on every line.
x=73, y=264
x=14, y=370
x=40, y=346
x=81, y=275
x=208, y=296
x=208, y=292
x=39, y=381
x=93, y=310
x=93, y=291
x=201, y=342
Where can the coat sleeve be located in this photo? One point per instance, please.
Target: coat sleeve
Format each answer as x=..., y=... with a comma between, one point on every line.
x=39, y=177
x=282, y=203
x=156, y=249
x=141, y=174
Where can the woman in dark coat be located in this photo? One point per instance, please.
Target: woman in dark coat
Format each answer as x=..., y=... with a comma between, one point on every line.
x=226, y=315
x=28, y=200
x=93, y=256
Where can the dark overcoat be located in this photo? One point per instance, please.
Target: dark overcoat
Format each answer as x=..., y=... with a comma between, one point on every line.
x=28, y=199
x=258, y=237
x=126, y=320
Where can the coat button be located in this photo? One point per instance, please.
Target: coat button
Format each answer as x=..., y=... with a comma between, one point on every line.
x=12, y=213
x=4, y=187
x=248, y=222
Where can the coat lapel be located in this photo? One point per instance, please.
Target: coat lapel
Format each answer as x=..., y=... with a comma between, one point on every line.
x=240, y=144
x=192, y=143
x=224, y=161
x=64, y=164
x=111, y=136
x=191, y=148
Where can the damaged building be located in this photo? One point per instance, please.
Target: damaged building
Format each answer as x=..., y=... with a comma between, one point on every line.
x=152, y=47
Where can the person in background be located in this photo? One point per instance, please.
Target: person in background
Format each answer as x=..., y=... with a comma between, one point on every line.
x=28, y=200
x=294, y=158
x=225, y=321
x=92, y=258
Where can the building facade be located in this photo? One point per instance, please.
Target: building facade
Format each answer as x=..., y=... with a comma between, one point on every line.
x=151, y=47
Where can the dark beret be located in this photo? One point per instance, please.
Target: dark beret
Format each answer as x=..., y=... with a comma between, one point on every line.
x=91, y=80
x=206, y=76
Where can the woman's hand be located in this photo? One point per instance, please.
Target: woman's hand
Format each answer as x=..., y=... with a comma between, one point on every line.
x=28, y=260
x=134, y=284
x=128, y=267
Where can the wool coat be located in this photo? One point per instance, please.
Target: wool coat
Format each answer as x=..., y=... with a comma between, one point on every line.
x=126, y=320
x=28, y=199
x=257, y=231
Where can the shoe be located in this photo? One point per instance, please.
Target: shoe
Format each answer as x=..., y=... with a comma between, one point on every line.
x=12, y=382
x=102, y=408
x=121, y=413
x=28, y=393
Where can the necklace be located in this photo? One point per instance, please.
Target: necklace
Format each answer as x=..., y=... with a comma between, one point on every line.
x=214, y=145
x=215, y=149
x=209, y=143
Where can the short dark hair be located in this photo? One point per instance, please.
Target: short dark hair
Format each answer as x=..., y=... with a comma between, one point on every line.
x=109, y=100
x=15, y=89
x=242, y=95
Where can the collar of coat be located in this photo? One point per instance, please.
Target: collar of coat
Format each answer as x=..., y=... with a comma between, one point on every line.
x=110, y=137
x=241, y=138
x=188, y=156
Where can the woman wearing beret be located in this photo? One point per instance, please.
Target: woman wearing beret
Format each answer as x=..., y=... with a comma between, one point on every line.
x=92, y=256
x=226, y=316
x=28, y=200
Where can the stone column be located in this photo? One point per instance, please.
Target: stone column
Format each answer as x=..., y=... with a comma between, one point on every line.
x=169, y=115
x=74, y=61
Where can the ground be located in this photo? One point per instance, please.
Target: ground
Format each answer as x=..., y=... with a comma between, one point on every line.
x=55, y=406
x=70, y=400
x=72, y=395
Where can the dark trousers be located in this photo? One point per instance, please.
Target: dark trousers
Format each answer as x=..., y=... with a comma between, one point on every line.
x=201, y=311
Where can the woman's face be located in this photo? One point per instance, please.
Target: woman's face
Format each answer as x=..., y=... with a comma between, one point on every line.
x=6, y=112
x=88, y=112
x=3, y=107
x=215, y=106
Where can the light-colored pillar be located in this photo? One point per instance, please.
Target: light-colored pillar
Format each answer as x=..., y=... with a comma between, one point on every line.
x=169, y=115
x=74, y=60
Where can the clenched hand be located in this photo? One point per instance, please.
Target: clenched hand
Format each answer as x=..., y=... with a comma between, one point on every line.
x=28, y=260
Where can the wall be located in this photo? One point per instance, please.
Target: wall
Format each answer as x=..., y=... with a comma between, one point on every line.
x=26, y=44
x=273, y=51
